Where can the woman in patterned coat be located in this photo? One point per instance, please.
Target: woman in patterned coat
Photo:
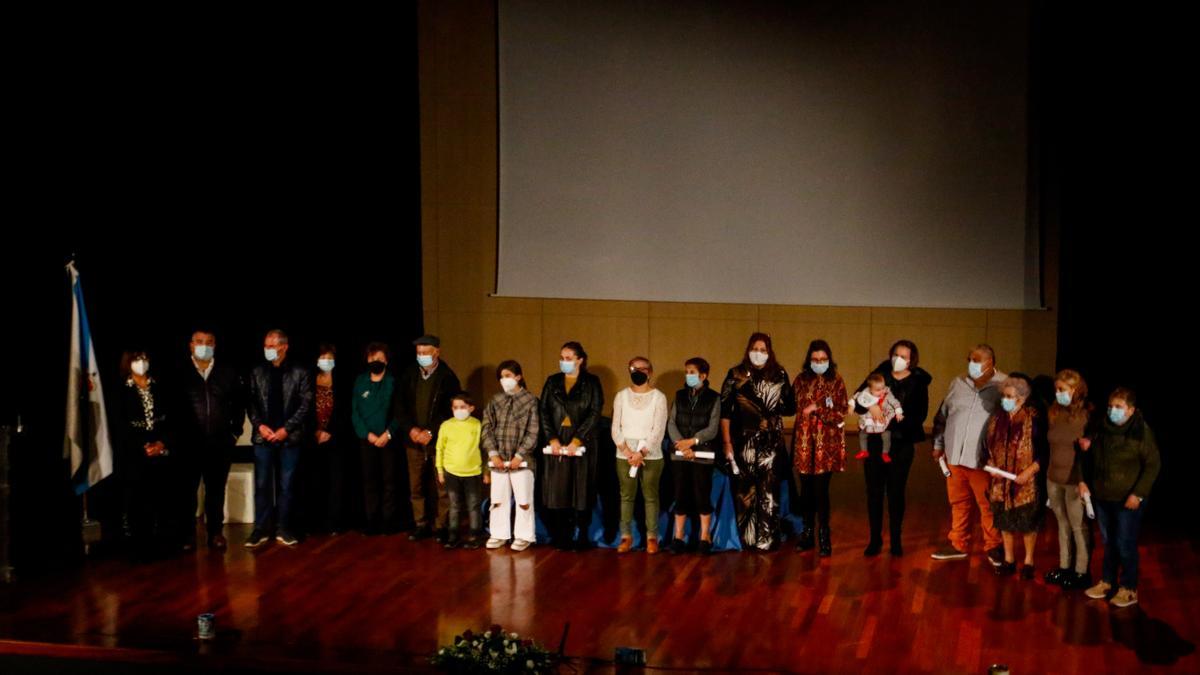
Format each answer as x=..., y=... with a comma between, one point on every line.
x=755, y=398
x=819, y=441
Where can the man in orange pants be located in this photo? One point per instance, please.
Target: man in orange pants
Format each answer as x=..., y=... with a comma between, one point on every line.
x=959, y=429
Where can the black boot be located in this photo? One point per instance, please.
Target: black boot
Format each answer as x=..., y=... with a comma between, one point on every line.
x=826, y=548
x=805, y=541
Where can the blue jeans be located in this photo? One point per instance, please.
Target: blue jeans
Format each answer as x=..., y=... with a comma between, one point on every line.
x=274, y=494
x=1119, y=527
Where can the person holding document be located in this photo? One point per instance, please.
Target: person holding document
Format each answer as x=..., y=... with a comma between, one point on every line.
x=571, y=404
x=510, y=435
x=693, y=425
x=1068, y=422
x=1017, y=451
x=638, y=425
x=819, y=442
x=1120, y=465
x=755, y=397
x=959, y=429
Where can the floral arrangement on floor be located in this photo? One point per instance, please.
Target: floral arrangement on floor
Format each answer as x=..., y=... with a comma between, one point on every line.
x=493, y=651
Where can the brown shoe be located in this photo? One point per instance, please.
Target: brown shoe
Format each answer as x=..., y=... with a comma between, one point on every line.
x=625, y=545
x=217, y=542
x=652, y=545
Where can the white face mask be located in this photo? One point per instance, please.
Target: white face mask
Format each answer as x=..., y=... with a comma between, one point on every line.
x=461, y=414
x=975, y=370
x=508, y=384
x=270, y=354
x=203, y=352
x=759, y=358
x=899, y=365
x=325, y=365
x=140, y=367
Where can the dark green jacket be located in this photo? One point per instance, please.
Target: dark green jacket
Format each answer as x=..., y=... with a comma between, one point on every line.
x=1123, y=460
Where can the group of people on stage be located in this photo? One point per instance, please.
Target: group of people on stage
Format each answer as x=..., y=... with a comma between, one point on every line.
x=1004, y=452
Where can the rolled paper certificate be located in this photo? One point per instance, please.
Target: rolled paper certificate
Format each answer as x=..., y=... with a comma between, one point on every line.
x=735, y=469
x=999, y=472
x=641, y=445
x=508, y=467
x=699, y=454
x=945, y=469
x=1087, y=505
x=578, y=451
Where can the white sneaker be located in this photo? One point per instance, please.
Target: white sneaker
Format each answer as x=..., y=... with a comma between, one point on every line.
x=495, y=543
x=520, y=544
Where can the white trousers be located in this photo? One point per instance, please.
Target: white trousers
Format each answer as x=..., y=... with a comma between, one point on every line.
x=505, y=486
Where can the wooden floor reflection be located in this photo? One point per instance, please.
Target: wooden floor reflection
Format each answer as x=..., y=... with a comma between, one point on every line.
x=384, y=603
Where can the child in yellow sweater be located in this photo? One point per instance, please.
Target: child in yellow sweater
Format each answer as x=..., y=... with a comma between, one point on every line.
x=460, y=468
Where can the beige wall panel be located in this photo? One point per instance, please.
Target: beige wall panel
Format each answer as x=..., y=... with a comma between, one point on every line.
x=465, y=163
x=613, y=308
x=703, y=310
x=466, y=267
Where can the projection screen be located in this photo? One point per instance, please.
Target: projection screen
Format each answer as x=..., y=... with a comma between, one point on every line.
x=834, y=153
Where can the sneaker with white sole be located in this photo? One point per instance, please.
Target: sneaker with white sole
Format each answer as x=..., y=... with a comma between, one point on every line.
x=287, y=539
x=1099, y=591
x=1124, y=598
x=948, y=553
x=494, y=543
x=257, y=538
x=520, y=544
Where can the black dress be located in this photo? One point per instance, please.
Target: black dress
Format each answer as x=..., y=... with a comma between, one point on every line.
x=755, y=405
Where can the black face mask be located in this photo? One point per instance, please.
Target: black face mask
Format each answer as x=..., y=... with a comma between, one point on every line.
x=377, y=367
x=639, y=378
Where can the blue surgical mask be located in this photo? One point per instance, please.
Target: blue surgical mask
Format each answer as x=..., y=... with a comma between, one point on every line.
x=975, y=370
x=325, y=365
x=1063, y=397
x=692, y=380
x=819, y=367
x=567, y=367
x=203, y=352
x=1117, y=415
x=1009, y=404
x=270, y=354
x=424, y=360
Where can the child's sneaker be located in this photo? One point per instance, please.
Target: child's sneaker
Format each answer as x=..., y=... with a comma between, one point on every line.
x=887, y=459
x=495, y=543
x=862, y=454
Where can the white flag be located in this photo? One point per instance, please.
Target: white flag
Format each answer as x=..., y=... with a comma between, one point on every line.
x=87, y=442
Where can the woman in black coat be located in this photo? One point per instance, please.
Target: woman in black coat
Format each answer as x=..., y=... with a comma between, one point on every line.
x=144, y=451
x=572, y=401
x=910, y=385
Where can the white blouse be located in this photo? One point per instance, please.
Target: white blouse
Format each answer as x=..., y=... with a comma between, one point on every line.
x=638, y=417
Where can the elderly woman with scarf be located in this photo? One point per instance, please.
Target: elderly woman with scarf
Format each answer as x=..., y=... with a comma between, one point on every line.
x=1016, y=444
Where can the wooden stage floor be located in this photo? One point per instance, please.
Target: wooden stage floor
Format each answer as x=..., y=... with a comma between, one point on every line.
x=353, y=603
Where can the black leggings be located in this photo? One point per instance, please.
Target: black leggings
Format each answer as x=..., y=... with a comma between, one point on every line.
x=693, y=488
x=890, y=480
x=814, y=498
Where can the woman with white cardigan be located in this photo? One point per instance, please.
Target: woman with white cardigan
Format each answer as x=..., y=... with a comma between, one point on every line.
x=638, y=426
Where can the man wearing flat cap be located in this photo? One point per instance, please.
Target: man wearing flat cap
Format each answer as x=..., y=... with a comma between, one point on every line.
x=422, y=403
